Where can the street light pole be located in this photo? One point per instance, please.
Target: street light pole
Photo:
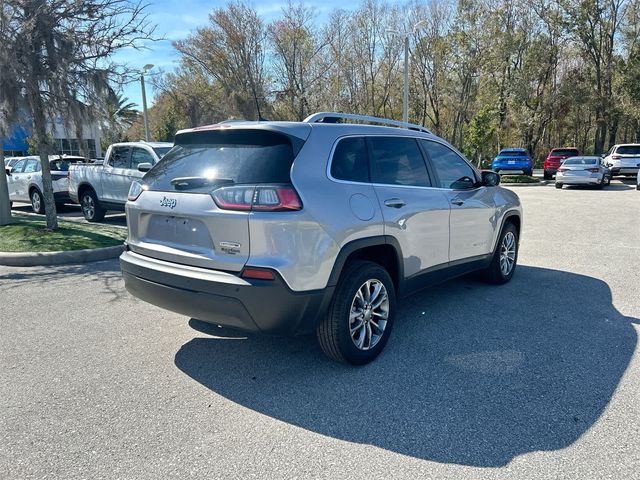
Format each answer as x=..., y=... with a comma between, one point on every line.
x=145, y=69
x=405, y=99
x=405, y=96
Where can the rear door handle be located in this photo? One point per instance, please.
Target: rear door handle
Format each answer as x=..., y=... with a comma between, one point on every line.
x=457, y=201
x=394, y=203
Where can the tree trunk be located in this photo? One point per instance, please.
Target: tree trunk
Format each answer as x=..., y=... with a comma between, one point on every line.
x=40, y=133
x=613, y=131
x=5, y=208
x=601, y=131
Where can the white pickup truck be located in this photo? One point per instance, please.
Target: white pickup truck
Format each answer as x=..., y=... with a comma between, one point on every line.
x=104, y=186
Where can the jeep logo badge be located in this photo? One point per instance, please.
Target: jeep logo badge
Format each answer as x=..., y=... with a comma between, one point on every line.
x=168, y=202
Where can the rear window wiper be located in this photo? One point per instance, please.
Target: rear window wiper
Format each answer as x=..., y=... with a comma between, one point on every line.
x=188, y=183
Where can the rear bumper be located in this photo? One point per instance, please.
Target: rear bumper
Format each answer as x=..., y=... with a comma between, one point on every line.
x=511, y=168
x=578, y=180
x=61, y=197
x=223, y=298
x=624, y=170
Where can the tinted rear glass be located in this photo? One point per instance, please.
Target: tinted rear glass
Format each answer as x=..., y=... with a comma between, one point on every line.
x=161, y=151
x=565, y=152
x=512, y=153
x=350, y=160
x=225, y=156
x=581, y=161
x=628, y=150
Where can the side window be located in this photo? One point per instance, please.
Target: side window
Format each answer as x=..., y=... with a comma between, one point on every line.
x=31, y=166
x=120, y=157
x=453, y=171
x=350, y=161
x=140, y=155
x=398, y=161
x=18, y=166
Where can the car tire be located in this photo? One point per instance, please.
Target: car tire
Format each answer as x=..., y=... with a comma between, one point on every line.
x=529, y=173
x=547, y=175
x=638, y=187
x=505, y=258
x=558, y=185
x=91, y=208
x=357, y=340
x=37, y=201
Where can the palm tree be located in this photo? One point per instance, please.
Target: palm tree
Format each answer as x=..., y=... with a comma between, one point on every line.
x=119, y=115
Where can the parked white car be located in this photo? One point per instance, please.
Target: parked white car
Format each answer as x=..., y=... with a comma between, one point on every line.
x=104, y=186
x=24, y=179
x=583, y=170
x=624, y=159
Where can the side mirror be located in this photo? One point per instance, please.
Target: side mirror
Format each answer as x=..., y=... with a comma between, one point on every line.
x=8, y=171
x=144, y=167
x=490, y=178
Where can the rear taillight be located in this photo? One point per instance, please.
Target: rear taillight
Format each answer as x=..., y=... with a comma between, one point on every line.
x=562, y=169
x=592, y=170
x=616, y=157
x=266, y=198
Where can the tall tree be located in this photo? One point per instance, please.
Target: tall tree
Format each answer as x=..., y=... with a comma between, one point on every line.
x=59, y=52
x=231, y=50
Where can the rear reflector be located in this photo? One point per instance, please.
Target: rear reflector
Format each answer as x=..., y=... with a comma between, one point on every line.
x=257, y=273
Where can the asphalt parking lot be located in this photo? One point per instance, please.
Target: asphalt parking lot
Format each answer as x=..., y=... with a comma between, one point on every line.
x=539, y=378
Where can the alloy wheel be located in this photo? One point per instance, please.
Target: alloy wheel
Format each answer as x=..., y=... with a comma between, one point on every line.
x=507, y=253
x=88, y=207
x=36, y=201
x=368, y=315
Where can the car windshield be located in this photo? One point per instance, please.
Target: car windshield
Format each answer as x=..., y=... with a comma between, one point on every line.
x=581, y=161
x=565, y=152
x=161, y=151
x=628, y=150
x=514, y=153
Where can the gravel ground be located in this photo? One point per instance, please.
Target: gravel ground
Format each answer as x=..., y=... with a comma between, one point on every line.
x=536, y=379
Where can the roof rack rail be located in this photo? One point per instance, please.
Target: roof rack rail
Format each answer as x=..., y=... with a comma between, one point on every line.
x=321, y=116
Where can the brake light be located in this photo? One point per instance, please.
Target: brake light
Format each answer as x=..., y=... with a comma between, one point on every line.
x=616, y=157
x=562, y=169
x=593, y=170
x=267, y=198
x=257, y=273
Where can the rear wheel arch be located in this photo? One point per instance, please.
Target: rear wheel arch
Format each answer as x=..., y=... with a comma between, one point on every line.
x=383, y=250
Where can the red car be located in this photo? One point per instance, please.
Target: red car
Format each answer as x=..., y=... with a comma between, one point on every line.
x=555, y=158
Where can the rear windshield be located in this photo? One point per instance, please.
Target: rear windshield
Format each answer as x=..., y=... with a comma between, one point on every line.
x=62, y=165
x=581, y=161
x=202, y=160
x=161, y=151
x=516, y=153
x=628, y=150
x=565, y=152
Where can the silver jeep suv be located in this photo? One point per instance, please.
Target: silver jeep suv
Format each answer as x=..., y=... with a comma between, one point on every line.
x=319, y=225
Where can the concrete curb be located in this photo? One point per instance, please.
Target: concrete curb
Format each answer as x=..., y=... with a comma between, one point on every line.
x=32, y=259
x=542, y=183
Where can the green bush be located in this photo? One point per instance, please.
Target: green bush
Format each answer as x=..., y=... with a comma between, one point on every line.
x=519, y=179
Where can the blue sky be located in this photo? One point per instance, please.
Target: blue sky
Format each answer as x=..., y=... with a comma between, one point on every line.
x=175, y=19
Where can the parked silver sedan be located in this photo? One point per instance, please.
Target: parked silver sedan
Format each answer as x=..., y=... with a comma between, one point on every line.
x=583, y=171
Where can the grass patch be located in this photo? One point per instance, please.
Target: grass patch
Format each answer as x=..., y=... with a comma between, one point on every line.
x=519, y=179
x=29, y=234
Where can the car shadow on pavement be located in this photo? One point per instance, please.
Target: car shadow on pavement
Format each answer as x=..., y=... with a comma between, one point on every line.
x=472, y=375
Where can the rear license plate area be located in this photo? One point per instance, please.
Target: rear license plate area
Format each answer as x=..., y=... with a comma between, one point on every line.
x=178, y=232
